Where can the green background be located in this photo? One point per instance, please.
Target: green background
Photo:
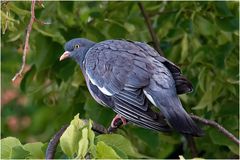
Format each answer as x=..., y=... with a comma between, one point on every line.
x=200, y=37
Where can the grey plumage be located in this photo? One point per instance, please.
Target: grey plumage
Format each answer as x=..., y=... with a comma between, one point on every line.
x=127, y=76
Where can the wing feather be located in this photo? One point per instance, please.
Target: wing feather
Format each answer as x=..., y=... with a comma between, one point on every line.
x=139, y=117
x=183, y=85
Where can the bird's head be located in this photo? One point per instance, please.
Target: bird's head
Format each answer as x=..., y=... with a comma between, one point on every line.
x=76, y=49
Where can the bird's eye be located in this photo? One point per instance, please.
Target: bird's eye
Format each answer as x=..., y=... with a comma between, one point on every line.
x=76, y=46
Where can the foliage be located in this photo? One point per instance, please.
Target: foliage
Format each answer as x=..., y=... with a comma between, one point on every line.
x=201, y=37
x=11, y=148
x=76, y=142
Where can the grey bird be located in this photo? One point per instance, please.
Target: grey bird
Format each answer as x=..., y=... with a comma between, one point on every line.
x=128, y=77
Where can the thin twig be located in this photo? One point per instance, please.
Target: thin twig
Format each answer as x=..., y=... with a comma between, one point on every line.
x=98, y=128
x=41, y=22
x=26, y=45
x=150, y=28
x=217, y=126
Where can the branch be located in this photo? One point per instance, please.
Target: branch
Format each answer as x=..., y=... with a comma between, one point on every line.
x=26, y=46
x=192, y=145
x=150, y=28
x=98, y=128
x=52, y=146
x=217, y=126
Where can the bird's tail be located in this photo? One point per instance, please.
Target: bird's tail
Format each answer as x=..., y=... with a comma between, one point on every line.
x=175, y=114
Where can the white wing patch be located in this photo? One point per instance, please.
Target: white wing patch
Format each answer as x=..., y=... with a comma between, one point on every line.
x=105, y=91
x=149, y=97
x=102, y=89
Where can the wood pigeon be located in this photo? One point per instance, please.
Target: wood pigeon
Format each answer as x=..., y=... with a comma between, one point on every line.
x=128, y=77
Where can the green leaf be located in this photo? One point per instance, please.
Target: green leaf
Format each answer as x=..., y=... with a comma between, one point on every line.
x=18, y=152
x=117, y=31
x=7, y=17
x=91, y=135
x=50, y=32
x=184, y=52
x=95, y=34
x=222, y=8
x=120, y=153
x=204, y=26
x=77, y=122
x=83, y=144
x=231, y=109
x=104, y=151
x=220, y=139
x=44, y=57
x=28, y=79
x=228, y=24
x=129, y=27
x=234, y=149
x=65, y=69
x=17, y=10
x=201, y=78
x=119, y=142
x=69, y=141
x=35, y=150
x=231, y=123
x=205, y=101
x=6, y=146
x=91, y=139
x=222, y=52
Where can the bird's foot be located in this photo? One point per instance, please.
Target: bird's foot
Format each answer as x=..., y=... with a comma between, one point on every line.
x=117, y=121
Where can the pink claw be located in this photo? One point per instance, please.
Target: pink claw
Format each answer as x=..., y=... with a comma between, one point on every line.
x=124, y=121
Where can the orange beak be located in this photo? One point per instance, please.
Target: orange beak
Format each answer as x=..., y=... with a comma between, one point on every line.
x=65, y=55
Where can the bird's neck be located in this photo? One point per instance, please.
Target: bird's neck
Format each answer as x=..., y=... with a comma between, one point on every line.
x=82, y=55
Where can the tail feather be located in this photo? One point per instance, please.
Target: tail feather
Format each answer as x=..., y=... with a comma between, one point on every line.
x=172, y=109
x=182, y=122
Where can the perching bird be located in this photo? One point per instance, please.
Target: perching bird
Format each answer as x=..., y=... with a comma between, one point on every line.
x=127, y=76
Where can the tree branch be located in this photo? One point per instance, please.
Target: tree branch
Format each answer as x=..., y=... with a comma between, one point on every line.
x=217, y=126
x=52, y=146
x=26, y=45
x=192, y=145
x=150, y=28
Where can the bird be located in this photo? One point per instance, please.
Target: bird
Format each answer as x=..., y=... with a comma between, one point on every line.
x=135, y=81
